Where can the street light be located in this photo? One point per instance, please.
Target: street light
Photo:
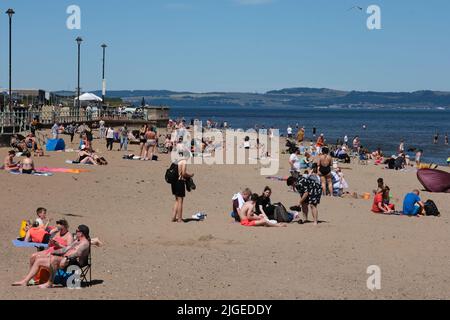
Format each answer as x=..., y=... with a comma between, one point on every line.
x=79, y=40
x=10, y=13
x=104, y=46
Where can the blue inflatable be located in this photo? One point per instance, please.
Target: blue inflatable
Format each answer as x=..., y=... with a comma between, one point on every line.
x=56, y=145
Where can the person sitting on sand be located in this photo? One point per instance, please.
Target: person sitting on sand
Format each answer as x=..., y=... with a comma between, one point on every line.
x=239, y=200
x=310, y=192
x=413, y=205
x=18, y=143
x=264, y=205
x=379, y=203
x=37, y=234
x=250, y=219
x=30, y=142
x=27, y=164
x=9, y=164
x=76, y=254
x=84, y=157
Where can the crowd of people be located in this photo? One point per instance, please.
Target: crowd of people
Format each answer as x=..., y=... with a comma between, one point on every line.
x=64, y=249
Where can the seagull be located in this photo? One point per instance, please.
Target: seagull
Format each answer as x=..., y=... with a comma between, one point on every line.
x=356, y=7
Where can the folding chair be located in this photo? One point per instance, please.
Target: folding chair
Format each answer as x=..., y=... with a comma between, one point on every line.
x=86, y=271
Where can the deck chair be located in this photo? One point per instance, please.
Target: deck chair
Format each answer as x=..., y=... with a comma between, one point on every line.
x=85, y=276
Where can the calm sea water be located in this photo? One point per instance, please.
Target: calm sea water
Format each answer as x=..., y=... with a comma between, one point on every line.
x=384, y=128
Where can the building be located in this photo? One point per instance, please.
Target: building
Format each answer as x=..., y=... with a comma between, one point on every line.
x=157, y=115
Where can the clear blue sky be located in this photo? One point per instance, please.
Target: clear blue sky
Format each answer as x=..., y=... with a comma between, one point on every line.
x=230, y=45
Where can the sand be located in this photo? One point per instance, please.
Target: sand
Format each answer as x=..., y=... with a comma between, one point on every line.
x=128, y=205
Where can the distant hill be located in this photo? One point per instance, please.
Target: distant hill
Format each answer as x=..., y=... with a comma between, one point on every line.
x=287, y=97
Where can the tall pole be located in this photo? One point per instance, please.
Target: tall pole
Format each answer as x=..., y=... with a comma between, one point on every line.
x=104, y=46
x=79, y=40
x=10, y=13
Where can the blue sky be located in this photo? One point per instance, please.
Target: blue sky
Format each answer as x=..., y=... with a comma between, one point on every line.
x=230, y=45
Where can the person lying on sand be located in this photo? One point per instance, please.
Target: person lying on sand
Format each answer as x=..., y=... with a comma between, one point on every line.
x=250, y=219
x=9, y=164
x=76, y=254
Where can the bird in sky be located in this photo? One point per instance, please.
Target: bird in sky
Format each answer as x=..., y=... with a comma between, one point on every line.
x=356, y=7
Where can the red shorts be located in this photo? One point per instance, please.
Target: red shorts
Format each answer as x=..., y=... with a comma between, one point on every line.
x=248, y=223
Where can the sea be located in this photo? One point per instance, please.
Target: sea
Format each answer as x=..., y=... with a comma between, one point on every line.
x=377, y=127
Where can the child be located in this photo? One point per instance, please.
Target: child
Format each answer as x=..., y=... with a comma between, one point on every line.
x=380, y=187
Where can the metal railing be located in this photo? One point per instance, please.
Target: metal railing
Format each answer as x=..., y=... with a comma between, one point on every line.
x=20, y=121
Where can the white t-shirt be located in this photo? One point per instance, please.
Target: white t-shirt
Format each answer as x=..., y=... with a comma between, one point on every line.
x=110, y=134
x=240, y=199
x=289, y=130
x=296, y=160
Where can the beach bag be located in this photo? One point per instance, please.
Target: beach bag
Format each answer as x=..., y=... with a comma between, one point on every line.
x=431, y=209
x=23, y=229
x=280, y=214
x=172, y=174
x=154, y=158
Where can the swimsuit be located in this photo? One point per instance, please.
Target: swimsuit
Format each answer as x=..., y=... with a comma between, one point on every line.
x=248, y=223
x=24, y=171
x=325, y=171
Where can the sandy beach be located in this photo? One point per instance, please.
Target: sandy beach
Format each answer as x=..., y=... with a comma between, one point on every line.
x=128, y=205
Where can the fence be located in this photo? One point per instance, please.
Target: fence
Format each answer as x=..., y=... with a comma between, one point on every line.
x=19, y=121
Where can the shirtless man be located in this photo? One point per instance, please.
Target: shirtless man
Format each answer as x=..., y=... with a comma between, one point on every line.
x=27, y=164
x=250, y=219
x=76, y=254
x=325, y=162
x=9, y=163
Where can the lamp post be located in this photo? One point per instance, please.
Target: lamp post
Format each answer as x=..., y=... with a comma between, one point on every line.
x=104, y=46
x=79, y=40
x=10, y=13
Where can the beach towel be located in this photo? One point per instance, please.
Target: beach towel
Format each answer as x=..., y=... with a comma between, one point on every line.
x=61, y=170
x=23, y=244
x=37, y=174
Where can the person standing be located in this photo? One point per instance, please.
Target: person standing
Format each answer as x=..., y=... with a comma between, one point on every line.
x=289, y=132
x=55, y=130
x=314, y=132
x=401, y=147
x=179, y=187
x=310, y=192
x=436, y=138
x=301, y=135
x=109, y=138
x=102, y=129
x=446, y=139
x=124, y=138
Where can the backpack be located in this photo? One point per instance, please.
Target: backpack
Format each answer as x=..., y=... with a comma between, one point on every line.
x=172, y=174
x=280, y=214
x=431, y=209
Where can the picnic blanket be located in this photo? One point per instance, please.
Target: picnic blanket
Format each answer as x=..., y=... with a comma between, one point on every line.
x=23, y=244
x=36, y=173
x=61, y=170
